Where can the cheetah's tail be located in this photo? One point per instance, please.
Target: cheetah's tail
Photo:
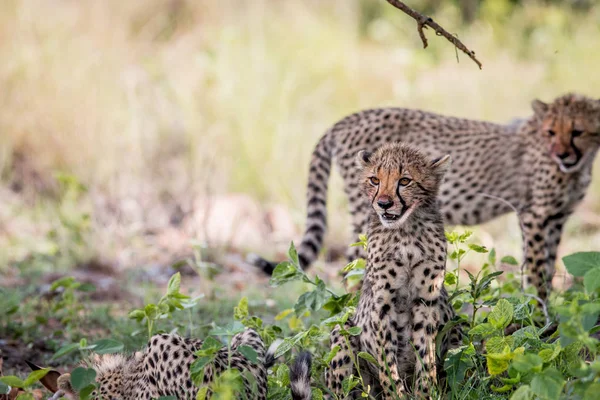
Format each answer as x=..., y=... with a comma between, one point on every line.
x=316, y=208
x=300, y=377
x=270, y=355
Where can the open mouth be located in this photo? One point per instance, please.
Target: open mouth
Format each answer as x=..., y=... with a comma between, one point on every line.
x=390, y=217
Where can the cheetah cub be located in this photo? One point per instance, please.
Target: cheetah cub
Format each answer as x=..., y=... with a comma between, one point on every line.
x=403, y=304
x=163, y=369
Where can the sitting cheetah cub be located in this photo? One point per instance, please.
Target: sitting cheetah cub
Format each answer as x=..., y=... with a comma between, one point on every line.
x=403, y=304
x=163, y=369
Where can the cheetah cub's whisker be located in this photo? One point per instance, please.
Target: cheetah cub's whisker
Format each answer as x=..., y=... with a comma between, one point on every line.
x=403, y=304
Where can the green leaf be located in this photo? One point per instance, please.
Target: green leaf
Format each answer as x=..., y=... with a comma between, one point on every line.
x=316, y=394
x=312, y=301
x=499, y=344
x=138, y=315
x=501, y=314
x=108, y=346
x=174, y=284
x=82, y=377
x=249, y=353
x=35, y=376
x=285, y=272
x=450, y=279
x=477, y=248
x=579, y=264
x=522, y=393
x=355, y=331
x=550, y=354
x=492, y=257
x=368, y=357
x=548, y=385
x=283, y=314
x=65, y=350
x=497, y=363
x=151, y=311
x=510, y=260
x=293, y=255
x=591, y=280
x=526, y=363
x=86, y=391
x=12, y=381
x=241, y=311
x=484, y=330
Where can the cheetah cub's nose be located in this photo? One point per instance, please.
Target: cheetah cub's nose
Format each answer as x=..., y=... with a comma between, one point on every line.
x=385, y=202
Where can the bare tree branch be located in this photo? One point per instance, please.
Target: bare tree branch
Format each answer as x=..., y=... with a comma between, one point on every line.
x=423, y=22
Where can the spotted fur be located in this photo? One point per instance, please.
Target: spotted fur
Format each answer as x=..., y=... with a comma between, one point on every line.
x=403, y=304
x=163, y=369
x=541, y=166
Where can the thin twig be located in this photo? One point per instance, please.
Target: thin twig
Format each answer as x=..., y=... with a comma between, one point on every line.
x=522, y=230
x=423, y=22
x=543, y=304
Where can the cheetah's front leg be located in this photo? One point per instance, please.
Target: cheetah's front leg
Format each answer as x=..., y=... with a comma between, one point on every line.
x=341, y=367
x=426, y=318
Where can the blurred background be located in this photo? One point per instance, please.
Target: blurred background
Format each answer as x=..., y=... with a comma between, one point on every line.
x=134, y=134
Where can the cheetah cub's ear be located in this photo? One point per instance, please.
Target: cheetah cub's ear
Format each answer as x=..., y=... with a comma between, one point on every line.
x=539, y=107
x=441, y=164
x=363, y=158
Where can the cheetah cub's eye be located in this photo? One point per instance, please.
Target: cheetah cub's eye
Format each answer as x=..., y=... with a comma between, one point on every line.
x=374, y=181
x=404, y=181
x=576, y=133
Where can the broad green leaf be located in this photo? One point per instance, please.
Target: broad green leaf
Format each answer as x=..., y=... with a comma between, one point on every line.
x=579, y=264
x=151, y=311
x=501, y=389
x=317, y=394
x=497, y=363
x=355, y=331
x=359, y=263
x=283, y=375
x=484, y=330
x=285, y=272
x=499, y=344
x=85, y=393
x=592, y=391
x=12, y=381
x=82, y=377
x=249, y=353
x=107, y=346
x=501, y=314
x=35, y=376
x=510, y=260
x=138, y=315
x=551, y=353
x=312, y=301
x=522, y=393
x=349, y=383
x=548, y=385
x=331, y=354
x=4, y=388
x=65, y=350
x=526, y=363
x=591, y=280
x=367, y=357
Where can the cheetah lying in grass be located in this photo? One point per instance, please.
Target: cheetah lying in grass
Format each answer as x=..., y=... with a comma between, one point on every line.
x=163, y=369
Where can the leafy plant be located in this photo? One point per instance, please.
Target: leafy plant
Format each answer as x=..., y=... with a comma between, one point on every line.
x=173, y=300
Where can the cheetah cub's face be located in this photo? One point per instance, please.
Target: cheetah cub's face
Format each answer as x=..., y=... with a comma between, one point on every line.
x=570, y=126
x=400, y=181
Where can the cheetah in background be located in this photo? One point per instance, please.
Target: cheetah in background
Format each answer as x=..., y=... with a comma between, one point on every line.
x=163, y=369
x=403, y=304
x=542, y=166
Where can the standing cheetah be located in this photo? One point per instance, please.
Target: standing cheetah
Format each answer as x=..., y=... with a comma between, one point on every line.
x=403, y=304
x=163, y=369
x=542, y=166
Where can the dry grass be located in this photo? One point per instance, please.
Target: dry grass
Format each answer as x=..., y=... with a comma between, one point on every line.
x=154, y=103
